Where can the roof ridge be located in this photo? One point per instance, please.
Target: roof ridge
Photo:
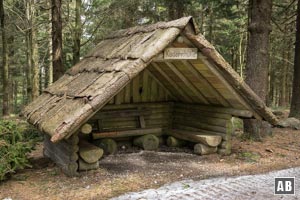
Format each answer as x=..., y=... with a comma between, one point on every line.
x=178, y=23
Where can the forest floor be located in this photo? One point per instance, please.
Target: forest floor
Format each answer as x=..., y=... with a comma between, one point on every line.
x=129, y=172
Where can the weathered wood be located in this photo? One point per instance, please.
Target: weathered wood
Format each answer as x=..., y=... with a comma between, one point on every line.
x=136, y=89
x=206, y=83
x=69, y=168
x=108, y=145
x=120, y=113
x=139, y=105
x=86, y=128
x=231, y=76
x=174, y=142
x=189, y=128
x=62, y=146
x=210, y=140
x=202, y=149
x=142, y=121
x=147, y=142
x=200, y=125
x=206, y=120
x=153, y=91
x=161, y=85
x=84, y=166
x=89, y=152
x=119, y=98
x=188, y=84
x=127, y=94
x=128, y=133
x=146, y=92
x=231, y=111
x=66, y=156
x=199, y=113
x=172, y=83
x=73, y=140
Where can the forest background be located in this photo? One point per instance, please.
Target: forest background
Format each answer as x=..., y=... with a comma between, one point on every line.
x=43, y=38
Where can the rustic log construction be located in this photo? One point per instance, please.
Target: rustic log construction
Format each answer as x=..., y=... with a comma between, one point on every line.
x=138, y=85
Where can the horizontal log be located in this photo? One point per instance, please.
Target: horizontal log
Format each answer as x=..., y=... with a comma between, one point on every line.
x=174, y=142
x=201, y=125
x=207, y=120
x=128, y=133
x=202, y=149
x=188, y=128
x=86, y=128
x=231, y=111
x=147, y=142
x=73, y=140
x=156, y=116
x=196, y=137
x=84, y=166
x=202, y=113
x=89, y=152
x=121, y=113
x=108, y=145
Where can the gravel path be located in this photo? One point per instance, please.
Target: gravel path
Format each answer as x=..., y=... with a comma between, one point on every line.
x=243, y=187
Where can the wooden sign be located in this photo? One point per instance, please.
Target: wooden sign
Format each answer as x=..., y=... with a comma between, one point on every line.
x=180, y=53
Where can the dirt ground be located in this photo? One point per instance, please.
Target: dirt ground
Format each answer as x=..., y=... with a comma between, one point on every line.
x=130, y=172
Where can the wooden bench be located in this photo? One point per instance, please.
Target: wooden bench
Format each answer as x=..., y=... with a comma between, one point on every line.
x=139, y=113
x=194, y=136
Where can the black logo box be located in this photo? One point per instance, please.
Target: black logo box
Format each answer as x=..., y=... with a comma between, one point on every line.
x=284, y=185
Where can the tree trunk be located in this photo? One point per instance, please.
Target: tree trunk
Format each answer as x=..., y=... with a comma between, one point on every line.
x=49, y=70
x=258, y=56
x=34, y=53
x=295, y=104
x=5, y=69
x=57, y=62
x=77, y=33
x=28, y=54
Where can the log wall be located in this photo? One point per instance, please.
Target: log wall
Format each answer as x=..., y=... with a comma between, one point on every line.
x=205, y=120
x=159, y=116
x=143, y=88
x=63, y=153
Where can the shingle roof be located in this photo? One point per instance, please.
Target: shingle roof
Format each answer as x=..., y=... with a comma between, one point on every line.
x=85, y=88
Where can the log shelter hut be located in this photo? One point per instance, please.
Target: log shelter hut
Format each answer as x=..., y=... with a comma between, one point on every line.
x=164, y=78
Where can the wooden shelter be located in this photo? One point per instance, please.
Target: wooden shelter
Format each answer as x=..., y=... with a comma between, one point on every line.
x=164, y=78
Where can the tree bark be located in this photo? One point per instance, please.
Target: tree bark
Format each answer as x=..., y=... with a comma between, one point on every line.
x=34, y=53
x=258, y=56
x=295, y=103
x=57, y=62
x=28, y=54
x=77, y=33
x=49, y=70
x=5, y=69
